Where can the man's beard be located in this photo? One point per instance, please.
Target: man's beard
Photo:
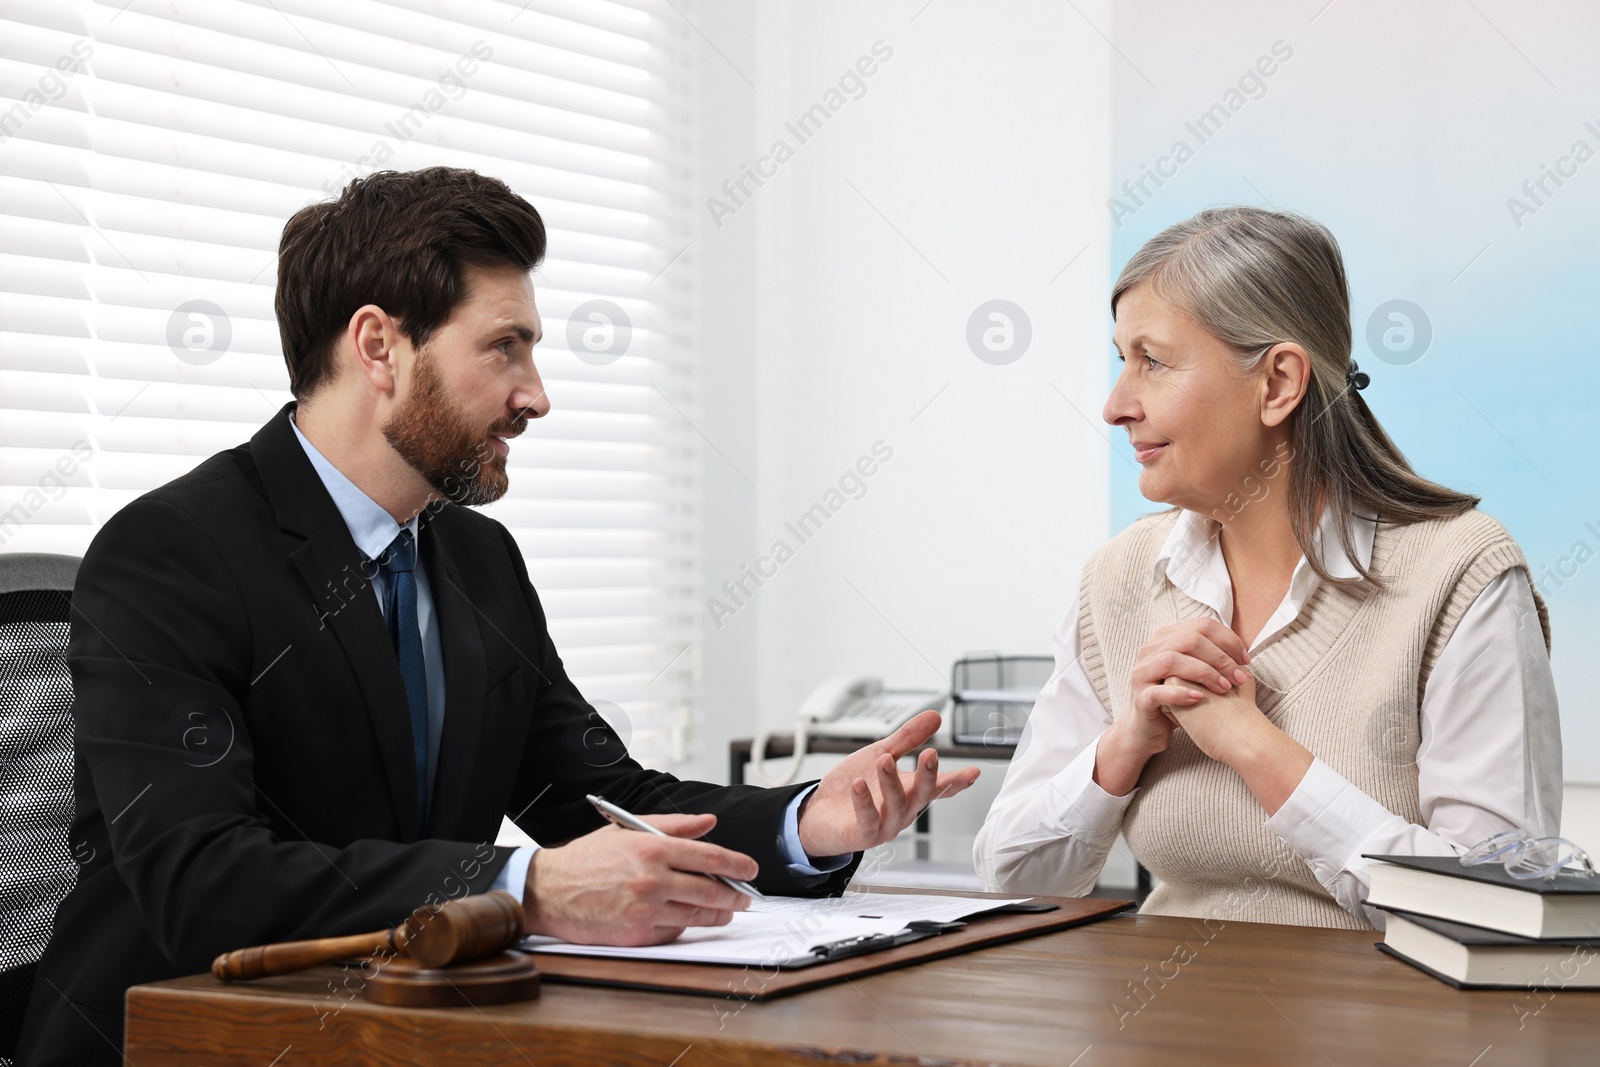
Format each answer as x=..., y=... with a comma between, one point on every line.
x=444, y=445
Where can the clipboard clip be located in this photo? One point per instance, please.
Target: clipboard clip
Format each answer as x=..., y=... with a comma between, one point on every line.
x=862, y=944
x=859, y=945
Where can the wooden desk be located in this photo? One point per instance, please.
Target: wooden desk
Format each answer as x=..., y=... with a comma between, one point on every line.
x=1236, y=994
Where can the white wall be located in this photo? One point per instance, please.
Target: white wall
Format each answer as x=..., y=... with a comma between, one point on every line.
x=1580, y=816
x=835, y=303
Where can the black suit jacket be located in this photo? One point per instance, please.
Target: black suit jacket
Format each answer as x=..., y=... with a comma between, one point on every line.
x=244, y=761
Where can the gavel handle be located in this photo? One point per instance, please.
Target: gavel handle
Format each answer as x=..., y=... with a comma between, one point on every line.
x=263, y=961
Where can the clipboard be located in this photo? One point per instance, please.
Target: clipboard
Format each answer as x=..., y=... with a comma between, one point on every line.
x=758, y=982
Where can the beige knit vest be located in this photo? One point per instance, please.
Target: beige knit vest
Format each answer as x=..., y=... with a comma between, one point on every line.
x=1345, y=679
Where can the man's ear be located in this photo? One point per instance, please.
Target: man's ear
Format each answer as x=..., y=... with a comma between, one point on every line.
x=1285, y=376
x=374, y=336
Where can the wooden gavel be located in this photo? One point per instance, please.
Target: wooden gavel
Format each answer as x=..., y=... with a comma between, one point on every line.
x=436, y=935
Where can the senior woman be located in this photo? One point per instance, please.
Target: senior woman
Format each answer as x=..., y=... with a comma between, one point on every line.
x=1315, y=653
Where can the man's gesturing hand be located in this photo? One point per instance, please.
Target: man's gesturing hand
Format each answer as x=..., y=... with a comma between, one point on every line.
x=865, y=801
x=623, y=887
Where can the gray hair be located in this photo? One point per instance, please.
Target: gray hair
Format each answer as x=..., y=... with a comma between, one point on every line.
x=1255, y=278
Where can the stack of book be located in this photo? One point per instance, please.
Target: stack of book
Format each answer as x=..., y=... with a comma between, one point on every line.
x=1480, y=927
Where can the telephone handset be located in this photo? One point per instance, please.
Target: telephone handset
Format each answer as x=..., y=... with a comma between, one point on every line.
x=860, y=707
x=850, y=706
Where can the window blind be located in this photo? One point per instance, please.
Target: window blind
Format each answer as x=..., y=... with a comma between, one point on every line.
x=150, y=154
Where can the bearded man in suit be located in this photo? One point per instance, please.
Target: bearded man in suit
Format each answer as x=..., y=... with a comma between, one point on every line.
x=368, y=664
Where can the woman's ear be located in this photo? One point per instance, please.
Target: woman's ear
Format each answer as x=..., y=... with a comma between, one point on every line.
x=1285, y=376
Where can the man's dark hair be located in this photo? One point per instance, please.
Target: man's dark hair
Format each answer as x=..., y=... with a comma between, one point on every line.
x=397, y=239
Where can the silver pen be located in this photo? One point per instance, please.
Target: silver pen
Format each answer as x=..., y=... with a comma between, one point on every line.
x=629, y=821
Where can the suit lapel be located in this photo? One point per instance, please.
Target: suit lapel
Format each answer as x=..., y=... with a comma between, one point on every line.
x=331, y=567
x=464, y=679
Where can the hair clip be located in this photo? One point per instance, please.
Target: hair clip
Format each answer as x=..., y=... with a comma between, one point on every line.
x=1354, y=379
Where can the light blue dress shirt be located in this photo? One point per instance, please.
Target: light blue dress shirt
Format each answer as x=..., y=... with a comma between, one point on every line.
x=373, y=529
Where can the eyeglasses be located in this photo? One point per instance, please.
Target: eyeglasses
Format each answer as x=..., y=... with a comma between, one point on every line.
x=1528, y=857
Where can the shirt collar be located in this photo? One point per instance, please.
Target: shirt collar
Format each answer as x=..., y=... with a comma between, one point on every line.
x=1191, y=559
x=371, y=527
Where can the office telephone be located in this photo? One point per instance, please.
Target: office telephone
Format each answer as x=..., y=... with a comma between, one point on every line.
x=850, y=706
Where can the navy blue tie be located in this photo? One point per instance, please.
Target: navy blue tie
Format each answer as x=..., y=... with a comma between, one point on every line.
x=399, y=563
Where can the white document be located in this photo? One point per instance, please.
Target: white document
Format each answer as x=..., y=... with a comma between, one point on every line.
x=783, y=928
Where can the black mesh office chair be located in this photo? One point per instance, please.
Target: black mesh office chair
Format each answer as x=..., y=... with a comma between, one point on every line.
x=36, y=798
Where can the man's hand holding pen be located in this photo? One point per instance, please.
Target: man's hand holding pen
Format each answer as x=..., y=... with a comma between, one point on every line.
x=619, y=887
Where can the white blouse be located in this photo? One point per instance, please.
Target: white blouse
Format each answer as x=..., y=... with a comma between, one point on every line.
x=1489, y=757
